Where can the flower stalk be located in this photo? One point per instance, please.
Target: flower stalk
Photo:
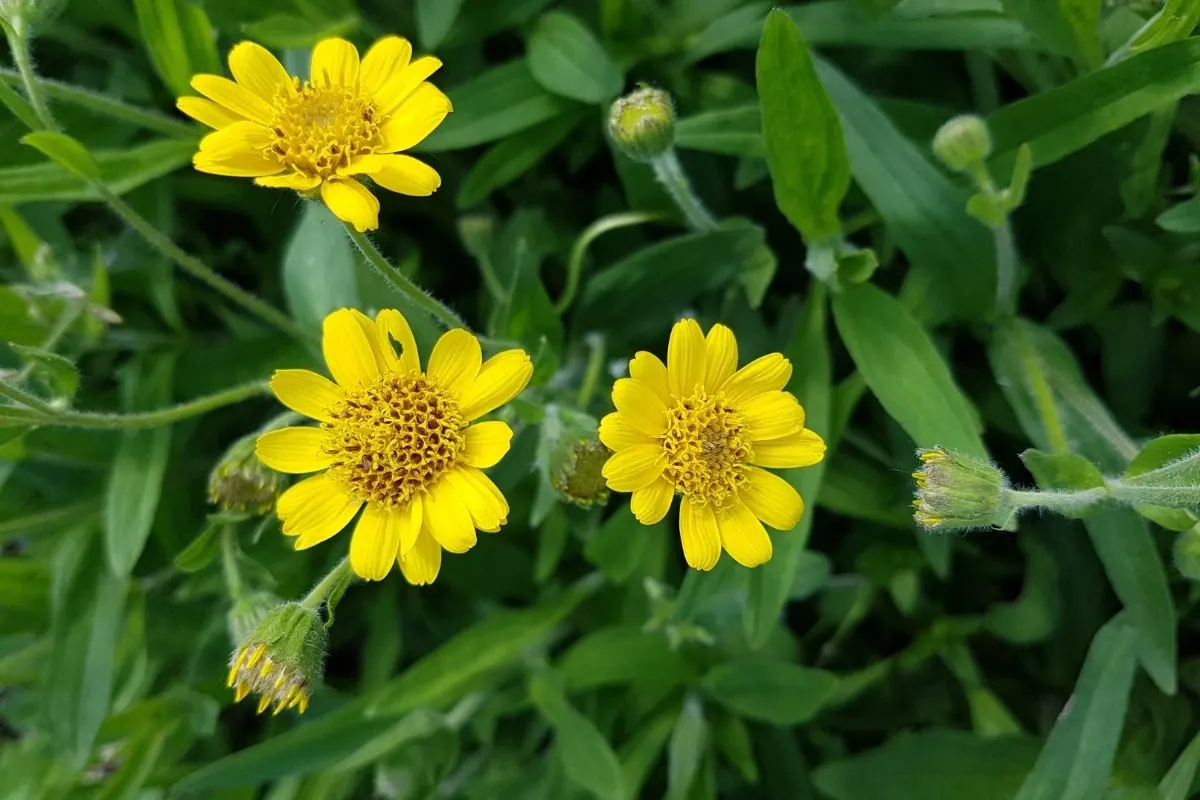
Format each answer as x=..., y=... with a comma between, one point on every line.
x=401, y=283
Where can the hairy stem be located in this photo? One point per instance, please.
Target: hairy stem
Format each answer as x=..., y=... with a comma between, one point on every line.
x=18, y=42
x=146, y=419
x=671, y=175
x=402, y=284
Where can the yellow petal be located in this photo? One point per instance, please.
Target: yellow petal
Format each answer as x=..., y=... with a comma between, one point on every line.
x=408, y=520
x=207, y=112
x=293, y=450
x=700, y=536
x=386, y=59
x=455, y=361
x=246, y=165
x=617, y=433
x=422, y=563
x=640, y=406
x=685, y=357
x=766, y=374
x=375, y=543
x=487, y=443
x=290, y=180
x=396, y=173
x=772, y=499
x=802, y=449
x=721, y=360
x=374, y=340
x=634, y=467
x=446, y=518
x=501, y=378
x=322, y=510
x=400, y=85
x=651, y=504
x=771, y=415
x=235, y=139
x=348, y=351
x=334, y=63
x=394, y=333
x=743, y=536
x=238, y=99
x=650, y=370
x=485, y=503
x=310, y=490
x=351, y=202
x=253, y=66
x=416, y=118
x=306, y=392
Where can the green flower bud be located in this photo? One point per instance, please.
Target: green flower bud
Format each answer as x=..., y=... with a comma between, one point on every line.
x=1187, y=553
x=25, y=16
x=247, y=612
x=572, y=457
x=281, y=659
x=240, y=482
x=956, y=492
x=642, y=123
x=963, y=142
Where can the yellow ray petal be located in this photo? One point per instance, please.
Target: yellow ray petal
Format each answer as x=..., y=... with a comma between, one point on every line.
x=334, y=63
x=253, y=66
x=634, y=467
x=385, y=60
x=306, y=392
x=238, y=99
x=394, y=332
x=685, y=357
x=501, y=378
x=400, y=85
x=743, y=536
x=293, y=450
x=617, y=433
x=206, y=112
x=455, y=361
x=721, y=360
x=416, y=118
x=375, y=542
x=650, y=370
x=699, y=534
x=651, y=503
x=446, y=519
x=771, y=415
x=487, y=443
x=290, y=180
x=348, y=351
x=409, y=521
x=351, y=202
x=484, y=501
x=421, y=564
x=640, y=406
x=766, y=374
x=801, y=449
x=772, y=499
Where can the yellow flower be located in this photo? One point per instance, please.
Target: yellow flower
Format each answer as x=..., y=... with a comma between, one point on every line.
x=397, y=440
x=349, y=118
x=699, y=427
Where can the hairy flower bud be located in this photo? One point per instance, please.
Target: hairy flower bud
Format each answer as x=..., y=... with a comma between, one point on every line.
x=572, y=457
x=955, y=491
x=642, y=123
x=962, y=142
x=1187, y=553
x=281, y=659
x=240, y=482
x=247, y=612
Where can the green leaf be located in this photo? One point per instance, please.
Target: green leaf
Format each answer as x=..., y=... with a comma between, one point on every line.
x=61, y=373
x=1062, y=471
x=924, y=211
x=931, y=765
x=202, y=550
x=1127, y=550
x=903, y=369
x=623, y=654
x=1158, y=453
x=646, y=289
x=1078, y=755
x=1181, y=218
x=494, y=105
x=1034, y=615
x=121, y=170
x=435, y=18
x=803, y=136
x=771, y=585
x=138, y=468
x=732, y=737
x=512, y=158
x=587, y=757
x=689, y=745
x=566, y=59
x=1070, y=27
x=288, y=31
x=640, y=753
x=87, y=606
x=771, y=691
x=64, y=151
x=1175, y=20
x=616, y=548
x=735, y=131
x=1177, y=783
x=179, y=39
x=319, y=268
x=1062, y=121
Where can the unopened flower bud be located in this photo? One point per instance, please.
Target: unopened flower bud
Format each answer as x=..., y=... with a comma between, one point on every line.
x=642, y=123
x=955, y=491
x=240, y=482
x=572, y=456
x=281, y=660
x=1187, y=553
x=247, y=612
x=962, y=142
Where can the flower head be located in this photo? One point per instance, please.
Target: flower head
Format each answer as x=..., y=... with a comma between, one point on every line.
x=240, y=482
x=642, y=123
x=578, y=477
x=401, y=442
x=701, y=428
x=963, y=142
x=281, y=660
x=955, y=492
x=350, y=118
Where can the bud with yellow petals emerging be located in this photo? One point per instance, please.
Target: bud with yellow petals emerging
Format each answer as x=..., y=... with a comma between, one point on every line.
x=281, y=660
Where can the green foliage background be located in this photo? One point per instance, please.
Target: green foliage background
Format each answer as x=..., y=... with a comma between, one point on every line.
x=573, y=655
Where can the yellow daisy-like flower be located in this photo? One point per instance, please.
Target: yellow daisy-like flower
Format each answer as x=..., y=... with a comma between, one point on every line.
x=397, y=440
x=700, y=427
x=349, y=118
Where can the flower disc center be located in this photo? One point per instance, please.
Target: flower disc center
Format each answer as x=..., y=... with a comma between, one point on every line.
x=706, y=449
x=394, y=438
x=318, y=129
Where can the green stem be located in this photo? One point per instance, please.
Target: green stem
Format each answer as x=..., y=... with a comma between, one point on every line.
x=18, y=42
x=197, y=268
x=589, y=235
x=337, y=575
x=26, y=399
x=152, y=419
x=402, y=284
x=1068, y=503
x=233, y=578
x=671, y=175
x=1006, y=270
x=61, y=326
x=595, y=365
